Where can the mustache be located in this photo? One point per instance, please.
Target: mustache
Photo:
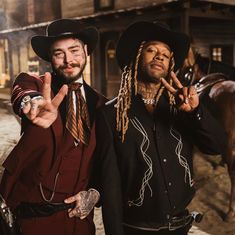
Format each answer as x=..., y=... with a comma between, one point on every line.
x=158, y=64
x=73, y=65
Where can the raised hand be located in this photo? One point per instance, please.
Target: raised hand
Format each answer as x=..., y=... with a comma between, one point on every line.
x=43, y=111
x=187, y=98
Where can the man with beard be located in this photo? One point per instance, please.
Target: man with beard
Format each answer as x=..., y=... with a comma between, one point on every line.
x=46, y=175
x=143, y=157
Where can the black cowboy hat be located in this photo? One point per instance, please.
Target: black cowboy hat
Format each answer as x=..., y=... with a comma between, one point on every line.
x=138, y=32
x=64, y=28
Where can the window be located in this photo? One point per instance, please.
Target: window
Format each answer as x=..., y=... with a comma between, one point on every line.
x=33, y=61
x=217, y=53
x=112, y=71
x=4, y=63
x=223, y=53
x=103, y=5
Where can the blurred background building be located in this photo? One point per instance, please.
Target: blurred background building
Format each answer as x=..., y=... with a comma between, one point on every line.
x=210, y=24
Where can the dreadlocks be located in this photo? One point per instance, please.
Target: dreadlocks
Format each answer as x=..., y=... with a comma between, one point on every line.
x=128, y=83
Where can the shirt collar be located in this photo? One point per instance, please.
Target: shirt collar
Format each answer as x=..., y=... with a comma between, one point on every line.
x=80, y=80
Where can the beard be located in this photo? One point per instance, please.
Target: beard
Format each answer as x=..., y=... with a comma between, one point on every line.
x=69, y=78
x=146, y=74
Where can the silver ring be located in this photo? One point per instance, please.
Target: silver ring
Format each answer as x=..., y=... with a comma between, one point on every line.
x=22, y=105
x=26, y=99
x=39, y=97
x=33, y=106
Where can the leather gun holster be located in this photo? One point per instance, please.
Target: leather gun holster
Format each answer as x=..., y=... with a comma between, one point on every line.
x=8, y=225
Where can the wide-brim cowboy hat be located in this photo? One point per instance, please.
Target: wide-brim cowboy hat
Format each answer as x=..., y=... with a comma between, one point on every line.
x=64, y=28
x=138, y=32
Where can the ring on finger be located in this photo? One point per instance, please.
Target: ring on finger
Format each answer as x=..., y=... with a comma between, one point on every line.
x=33, y=106
x=25, y=101
x=22, y=105
x=39, y=97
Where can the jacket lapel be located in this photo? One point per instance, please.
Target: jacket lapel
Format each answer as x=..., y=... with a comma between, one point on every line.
x=57, y=125
x=91, y=99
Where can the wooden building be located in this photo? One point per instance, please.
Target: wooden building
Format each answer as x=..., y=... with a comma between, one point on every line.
x=210, y=25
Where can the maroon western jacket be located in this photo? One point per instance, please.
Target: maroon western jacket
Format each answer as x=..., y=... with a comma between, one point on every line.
x=40, y=154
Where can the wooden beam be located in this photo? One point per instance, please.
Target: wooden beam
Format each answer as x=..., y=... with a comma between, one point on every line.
x=184, y=22
x=212, y=14
x=227, y=2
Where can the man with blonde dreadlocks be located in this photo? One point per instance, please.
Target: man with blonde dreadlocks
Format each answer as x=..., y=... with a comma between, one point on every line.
x=145, y=137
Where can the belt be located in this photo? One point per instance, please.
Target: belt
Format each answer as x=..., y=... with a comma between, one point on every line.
x=174, y=223
x=26, y=210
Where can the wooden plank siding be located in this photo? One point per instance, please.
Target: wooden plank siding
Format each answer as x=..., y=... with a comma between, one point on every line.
x=76, y=8
x=206, y=22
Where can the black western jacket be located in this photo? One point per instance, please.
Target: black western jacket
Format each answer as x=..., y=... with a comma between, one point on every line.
x=148, y=178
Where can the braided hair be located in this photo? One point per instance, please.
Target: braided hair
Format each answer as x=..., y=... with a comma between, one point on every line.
x=128, y=85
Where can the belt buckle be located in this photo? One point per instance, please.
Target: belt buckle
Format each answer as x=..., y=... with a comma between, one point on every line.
x=172, y=226
x=179, y=222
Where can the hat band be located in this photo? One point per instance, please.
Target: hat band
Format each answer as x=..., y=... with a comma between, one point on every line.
x=63, y=34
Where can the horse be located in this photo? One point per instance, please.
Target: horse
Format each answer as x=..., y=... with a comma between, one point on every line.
x=215, y=84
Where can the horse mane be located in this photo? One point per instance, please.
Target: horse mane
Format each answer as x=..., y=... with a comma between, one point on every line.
x=211, y=66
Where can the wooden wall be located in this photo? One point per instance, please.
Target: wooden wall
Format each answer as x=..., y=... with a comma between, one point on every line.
x=76, y=8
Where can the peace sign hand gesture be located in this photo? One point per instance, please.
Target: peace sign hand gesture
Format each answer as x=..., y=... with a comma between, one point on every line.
x=43, y=111
x=187, y=98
